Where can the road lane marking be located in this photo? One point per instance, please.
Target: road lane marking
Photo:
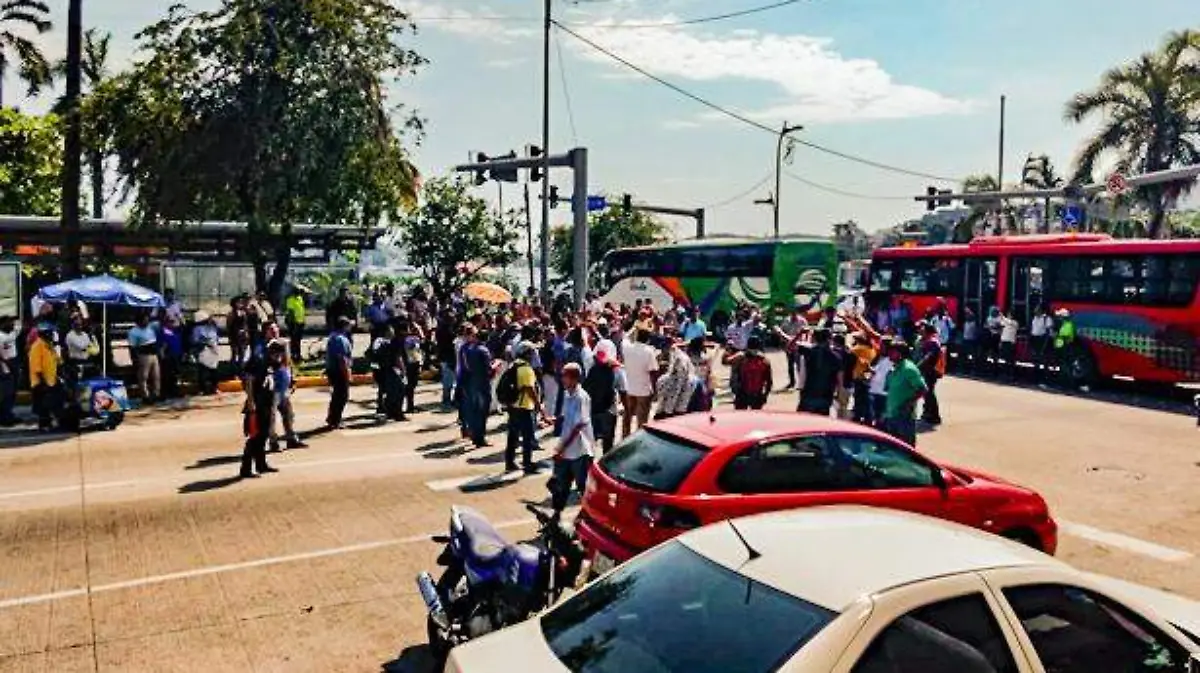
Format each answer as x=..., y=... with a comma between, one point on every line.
x=1129, y=544
x=230, y=567
x=74, y=488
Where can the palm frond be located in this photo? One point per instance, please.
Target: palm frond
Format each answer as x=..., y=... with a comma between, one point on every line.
x=33, y=68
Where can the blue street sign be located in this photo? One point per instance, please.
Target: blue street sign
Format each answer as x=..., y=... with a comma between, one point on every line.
x=1072, y=215
x=596, y=203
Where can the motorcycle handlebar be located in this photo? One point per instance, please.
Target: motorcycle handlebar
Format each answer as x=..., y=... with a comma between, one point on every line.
x=541, y=516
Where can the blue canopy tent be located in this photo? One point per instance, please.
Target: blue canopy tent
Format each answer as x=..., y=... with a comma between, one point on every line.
x=103, y=290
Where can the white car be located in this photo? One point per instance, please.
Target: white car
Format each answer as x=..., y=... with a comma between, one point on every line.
x=850, y=589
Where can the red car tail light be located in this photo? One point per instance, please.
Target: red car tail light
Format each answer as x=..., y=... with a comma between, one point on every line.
x=666, y=516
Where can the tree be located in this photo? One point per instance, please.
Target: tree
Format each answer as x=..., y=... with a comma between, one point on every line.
x=268, y=112
x=33, y=69
x=608, y=230
x=851, y=241
x=96, y=138
x=1039, y=173
x=452, y=236
x=30, y=162
x=965, y=230
x=1150, y=114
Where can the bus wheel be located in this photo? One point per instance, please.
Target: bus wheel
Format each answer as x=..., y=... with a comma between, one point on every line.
x=1079, y=369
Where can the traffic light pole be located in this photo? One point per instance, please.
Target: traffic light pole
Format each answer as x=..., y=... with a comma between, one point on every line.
x=696, y=214
x=529, y=236
x=579, y=201
x=545, y=261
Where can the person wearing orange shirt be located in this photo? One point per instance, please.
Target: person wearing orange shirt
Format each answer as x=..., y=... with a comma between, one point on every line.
x=43, y=378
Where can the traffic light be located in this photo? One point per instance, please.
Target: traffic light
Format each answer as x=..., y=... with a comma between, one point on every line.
x=505, y=174
x=533, y=152
x=932, y=203
x=553, y=196
x=627, y=204
x=946, y=201
x=481, y=176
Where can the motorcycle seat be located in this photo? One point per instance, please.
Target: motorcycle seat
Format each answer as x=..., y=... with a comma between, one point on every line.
x=484, y=542
x=528, y=555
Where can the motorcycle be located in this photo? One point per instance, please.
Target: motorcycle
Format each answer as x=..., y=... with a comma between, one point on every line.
x=489, y=583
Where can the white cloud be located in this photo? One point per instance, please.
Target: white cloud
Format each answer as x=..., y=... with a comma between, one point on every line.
x=481, y=23
x=817, y=83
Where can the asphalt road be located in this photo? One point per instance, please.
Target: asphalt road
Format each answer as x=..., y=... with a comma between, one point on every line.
x=137, y=549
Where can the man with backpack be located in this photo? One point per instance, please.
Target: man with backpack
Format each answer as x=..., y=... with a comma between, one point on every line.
x=602, y=384
x=517, y=392
x=754, y=377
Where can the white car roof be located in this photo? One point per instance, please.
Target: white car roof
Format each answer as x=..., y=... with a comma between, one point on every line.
x=833, y=556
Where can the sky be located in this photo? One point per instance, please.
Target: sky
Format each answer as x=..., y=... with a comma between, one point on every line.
x=914, y=84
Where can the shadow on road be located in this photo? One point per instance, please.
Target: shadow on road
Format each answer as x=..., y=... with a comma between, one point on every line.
x=1145, y=395
x=214, y=462
x=208, y=485
x=414, y=659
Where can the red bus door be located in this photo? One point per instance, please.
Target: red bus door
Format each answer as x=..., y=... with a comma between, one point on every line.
x=979, y=290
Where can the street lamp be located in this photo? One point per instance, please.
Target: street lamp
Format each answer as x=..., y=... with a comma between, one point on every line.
x=779, y=167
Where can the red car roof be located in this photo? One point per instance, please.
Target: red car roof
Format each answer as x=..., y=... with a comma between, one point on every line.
x=725, y=428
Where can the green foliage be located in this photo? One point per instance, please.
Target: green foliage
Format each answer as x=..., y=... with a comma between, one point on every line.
x=452, y=236
x=32, y=67
x=608, y=230
x=268, y=112
x=1150, y=118
x=30, y=164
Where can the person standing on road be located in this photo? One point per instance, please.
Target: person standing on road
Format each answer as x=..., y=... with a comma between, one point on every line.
x=1008, y=344
x=206, y=346
x=641, y=373
x=822, y=375
x=43, y=378
x=260, y=404
x=522, y=410
x=8, y=370
x=338, y=366
x=170, y=336
x=342, y=307
x=792, y=327
x=476, y=387
x=905, y=385
x=573, y=455
x=285, y=387
x=602, y=387
x=880, y=371
x=675, y=387
x=383, y=360
x=755, y=380
x=447, y=356
x=864, y=354
x=143, y=350
x=1040, y=329
x=294, y=315
x=932, y=365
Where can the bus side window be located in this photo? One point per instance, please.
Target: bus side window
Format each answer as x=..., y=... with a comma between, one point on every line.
x=1185, y=270
x=881, y=276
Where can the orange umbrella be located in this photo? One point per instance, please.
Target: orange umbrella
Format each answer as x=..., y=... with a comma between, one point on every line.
x=488, y=292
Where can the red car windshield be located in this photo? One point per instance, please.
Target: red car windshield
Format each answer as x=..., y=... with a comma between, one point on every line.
x=652, y=461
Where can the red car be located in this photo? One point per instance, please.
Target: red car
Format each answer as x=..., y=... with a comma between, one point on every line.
x=692, y=470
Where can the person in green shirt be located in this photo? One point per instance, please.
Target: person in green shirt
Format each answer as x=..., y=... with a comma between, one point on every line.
x=294, y=316
x=905, y=386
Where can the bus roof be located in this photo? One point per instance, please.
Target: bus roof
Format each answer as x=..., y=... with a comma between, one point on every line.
x=729, y=241
x=1080, y=244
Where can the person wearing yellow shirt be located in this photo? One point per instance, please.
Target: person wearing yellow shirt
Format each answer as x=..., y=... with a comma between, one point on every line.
x=294, y=315
x=864, y=355
x=43, y=378
x=522, y=424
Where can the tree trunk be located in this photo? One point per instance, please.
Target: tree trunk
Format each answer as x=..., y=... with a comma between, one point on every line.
x=1158, y=215
x=283, y=262
x=96, y=166
x=3, y=72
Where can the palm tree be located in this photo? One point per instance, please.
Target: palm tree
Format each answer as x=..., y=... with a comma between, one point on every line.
x=1151, y=118
x=94, y=70
x=34, y=70
x=964, y=231
x=1039, y=173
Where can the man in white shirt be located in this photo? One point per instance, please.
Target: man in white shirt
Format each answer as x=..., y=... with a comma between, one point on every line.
x=8, y=370
x=641, y=371
x=573, y=455
x=1040, y=330
x=172, y=307
x=1008, y=342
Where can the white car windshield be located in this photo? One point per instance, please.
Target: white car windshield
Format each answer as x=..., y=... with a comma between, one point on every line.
x=675, y=610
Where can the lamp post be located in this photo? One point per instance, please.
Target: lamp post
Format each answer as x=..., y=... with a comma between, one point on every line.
x=779, y=168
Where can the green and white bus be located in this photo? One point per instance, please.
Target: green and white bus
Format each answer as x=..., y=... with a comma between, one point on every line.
x=715, y=275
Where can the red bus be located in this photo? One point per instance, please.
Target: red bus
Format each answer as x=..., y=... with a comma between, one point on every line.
x=1133, y=301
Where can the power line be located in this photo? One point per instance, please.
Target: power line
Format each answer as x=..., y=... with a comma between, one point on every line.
x=842, y=192
x=562, y=71
x=741, y=195
x=744, y=119
x=699, y=20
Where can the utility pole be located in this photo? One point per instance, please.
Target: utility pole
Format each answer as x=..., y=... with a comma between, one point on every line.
x=529, y=236
x=1000, y=172
x=545, y=262
x=72, y=143
x=779, y=168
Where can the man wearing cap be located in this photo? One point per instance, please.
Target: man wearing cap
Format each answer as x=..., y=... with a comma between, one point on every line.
x=206, y=347
x=522, y=420
x=905, y=386
x=260, y=407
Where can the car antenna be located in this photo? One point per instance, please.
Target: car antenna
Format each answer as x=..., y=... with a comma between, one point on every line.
x=751, y=551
